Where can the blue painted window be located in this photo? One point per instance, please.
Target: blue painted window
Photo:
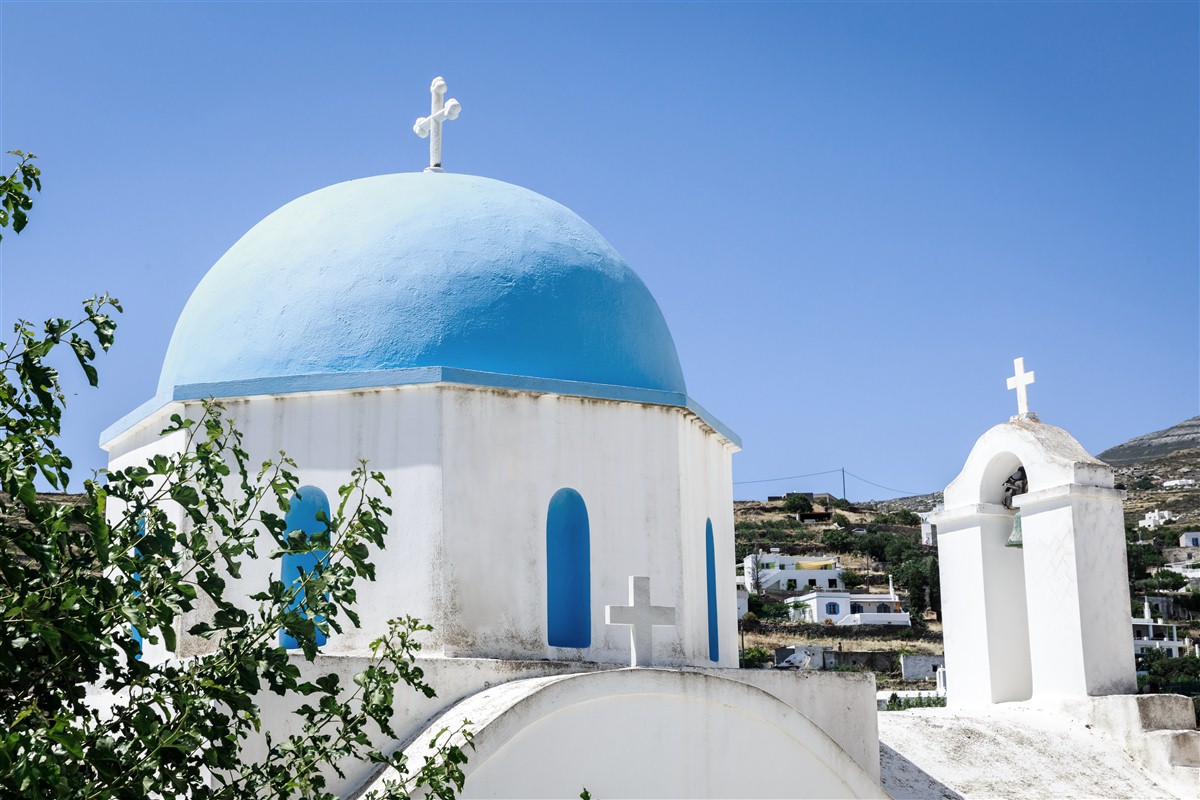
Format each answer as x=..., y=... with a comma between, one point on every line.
x=832, y=608
x=568, y=571
x=308, y=512
x=710, y=561
x=137, y=577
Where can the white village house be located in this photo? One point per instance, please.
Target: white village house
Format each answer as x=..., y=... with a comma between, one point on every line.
x=1155, y=519
x=848, y=608
x=1189, y=539
x=1151, y=634
x=562, y=507
x=928, y=527
x=775, y=572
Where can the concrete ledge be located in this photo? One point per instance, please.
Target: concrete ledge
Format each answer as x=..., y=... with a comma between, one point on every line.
x=1182, y=748
x=1157, y=730
x=1067, y=490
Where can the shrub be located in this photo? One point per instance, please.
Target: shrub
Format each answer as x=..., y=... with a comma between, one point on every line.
x=897, y=703
x=797, y=503
x=852, y=580
x=754, y=656
x=774, y=611
x=837, y=540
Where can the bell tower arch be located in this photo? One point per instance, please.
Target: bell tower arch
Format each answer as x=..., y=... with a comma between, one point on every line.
x=1046, y=618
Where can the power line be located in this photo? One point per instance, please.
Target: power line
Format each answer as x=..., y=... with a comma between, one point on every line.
x=830, y=472
x=880, y=486
x=788, y=477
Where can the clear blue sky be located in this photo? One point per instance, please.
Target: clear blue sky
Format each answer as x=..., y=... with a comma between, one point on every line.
x=854, y=216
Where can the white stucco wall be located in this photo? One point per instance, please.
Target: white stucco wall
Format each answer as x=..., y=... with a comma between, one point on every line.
x=650, y=476
x=984, y=619
x=645, y=733
x=840, y=704
x=472, y=472
x=1075, y=554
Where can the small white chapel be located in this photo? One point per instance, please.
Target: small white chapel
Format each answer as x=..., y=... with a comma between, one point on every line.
x=562, y=507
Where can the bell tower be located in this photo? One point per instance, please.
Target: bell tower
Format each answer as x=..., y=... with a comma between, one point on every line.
x=1031, y=547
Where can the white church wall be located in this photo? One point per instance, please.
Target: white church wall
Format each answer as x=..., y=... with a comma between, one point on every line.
x=138, y=447
x=512, y=451
x=645, y=733
x=468, y=555
x=841, y=704
x=706, y=493
x=396, y=430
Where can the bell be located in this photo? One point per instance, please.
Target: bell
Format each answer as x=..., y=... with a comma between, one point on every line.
x=1014, y=538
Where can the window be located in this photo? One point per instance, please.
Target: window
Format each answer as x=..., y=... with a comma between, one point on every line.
x=833, y=583
x=883, y=608
x=832, y=608
x=137, y=577
x=308, y=513
x=710, y=562
x=856, y=608
x=568, y=571
x=791, y=584
x=812, y=581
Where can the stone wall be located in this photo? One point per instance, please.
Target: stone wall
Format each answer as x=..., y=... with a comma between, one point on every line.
x=1176, y=554
x=811, y=630
x=919, y=666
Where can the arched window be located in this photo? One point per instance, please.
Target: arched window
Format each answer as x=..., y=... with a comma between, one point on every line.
x=137, y=577
x=568, y=571
x=307, y=512
x=832, y=608
x=883, y=608
x=856, y=608
x=714, y=641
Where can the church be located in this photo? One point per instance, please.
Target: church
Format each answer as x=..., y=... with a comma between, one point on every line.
x=562, y=507
x=562, y=517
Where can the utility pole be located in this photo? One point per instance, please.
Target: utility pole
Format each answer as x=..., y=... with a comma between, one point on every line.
x=843, y=483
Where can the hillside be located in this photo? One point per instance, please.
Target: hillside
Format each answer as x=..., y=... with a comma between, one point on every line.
x=1155, y=445
x=1143, y=481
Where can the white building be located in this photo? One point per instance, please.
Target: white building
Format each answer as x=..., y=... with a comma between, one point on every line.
x=516, y=383
x=1178, y=483
x=1190, y=539
x=775, y=572
x=1151, y=634
x=1188, y=569
x=846, y=608
x=1155, y=519
x=928, y=526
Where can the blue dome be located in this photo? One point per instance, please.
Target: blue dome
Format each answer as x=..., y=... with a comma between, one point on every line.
x=422, y=270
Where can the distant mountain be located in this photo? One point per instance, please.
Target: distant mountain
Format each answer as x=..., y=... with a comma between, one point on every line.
x=1155, y=445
